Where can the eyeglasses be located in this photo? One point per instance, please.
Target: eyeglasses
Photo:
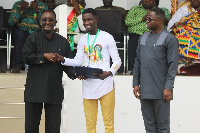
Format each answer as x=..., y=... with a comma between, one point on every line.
x=44, y=20
x=149, y=19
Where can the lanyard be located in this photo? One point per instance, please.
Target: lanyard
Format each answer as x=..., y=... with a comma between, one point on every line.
x=90, y=48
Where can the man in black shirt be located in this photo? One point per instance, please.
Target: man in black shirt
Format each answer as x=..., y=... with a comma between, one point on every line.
x=44, y=77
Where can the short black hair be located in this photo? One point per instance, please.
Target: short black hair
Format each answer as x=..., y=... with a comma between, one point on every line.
x=48, y=11
x=90, y=10
x=159, y=12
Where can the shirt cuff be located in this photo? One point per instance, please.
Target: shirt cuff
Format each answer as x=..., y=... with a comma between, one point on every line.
x=114, y=69
x=64, y=61
x=41, y=59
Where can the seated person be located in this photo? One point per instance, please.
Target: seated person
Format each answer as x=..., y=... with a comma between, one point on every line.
x=50, y=3
x=108, y=5
x=185, y=25
x=24, y=18
x=74, y=20
x=135, y=20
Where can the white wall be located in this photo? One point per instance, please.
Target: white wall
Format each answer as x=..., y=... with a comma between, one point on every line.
x=127, y=4
x=6, y=4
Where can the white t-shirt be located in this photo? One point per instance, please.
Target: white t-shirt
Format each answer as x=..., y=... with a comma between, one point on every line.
x=96, y=88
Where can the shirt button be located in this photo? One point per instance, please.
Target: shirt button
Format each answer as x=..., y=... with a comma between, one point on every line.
x=40, y=61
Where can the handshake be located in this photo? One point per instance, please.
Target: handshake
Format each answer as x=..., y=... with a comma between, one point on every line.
x=54, y=57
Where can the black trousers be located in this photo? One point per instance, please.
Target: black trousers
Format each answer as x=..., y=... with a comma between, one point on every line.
x=33, y=113
x=132, y=46
x=19, y=37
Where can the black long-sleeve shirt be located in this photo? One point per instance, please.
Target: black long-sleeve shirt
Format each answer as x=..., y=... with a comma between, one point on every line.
x=44, y=79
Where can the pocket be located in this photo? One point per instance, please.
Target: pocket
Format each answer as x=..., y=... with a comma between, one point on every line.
x=159, y=52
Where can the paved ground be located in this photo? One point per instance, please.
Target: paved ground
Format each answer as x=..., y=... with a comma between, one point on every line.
x=185, y=107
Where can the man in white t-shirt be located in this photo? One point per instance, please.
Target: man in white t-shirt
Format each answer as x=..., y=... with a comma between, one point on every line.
x=96, y=48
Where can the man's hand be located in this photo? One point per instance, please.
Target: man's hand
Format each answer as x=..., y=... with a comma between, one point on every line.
x=74, y=2
x=34, y=4
x=76, y=6
x=81, y=77
x=136, y=92
x=104, y=75
x=24, y=5
x=167, y=95
x=50, y=57
x=59, y=58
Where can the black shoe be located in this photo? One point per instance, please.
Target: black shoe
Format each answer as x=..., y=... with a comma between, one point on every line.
x=130, y=72
x=15, y=70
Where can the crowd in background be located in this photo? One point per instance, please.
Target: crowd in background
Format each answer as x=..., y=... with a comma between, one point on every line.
x=25, y=21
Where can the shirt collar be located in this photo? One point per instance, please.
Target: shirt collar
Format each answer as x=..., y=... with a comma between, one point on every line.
x=46, y=36
x=108, y=7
